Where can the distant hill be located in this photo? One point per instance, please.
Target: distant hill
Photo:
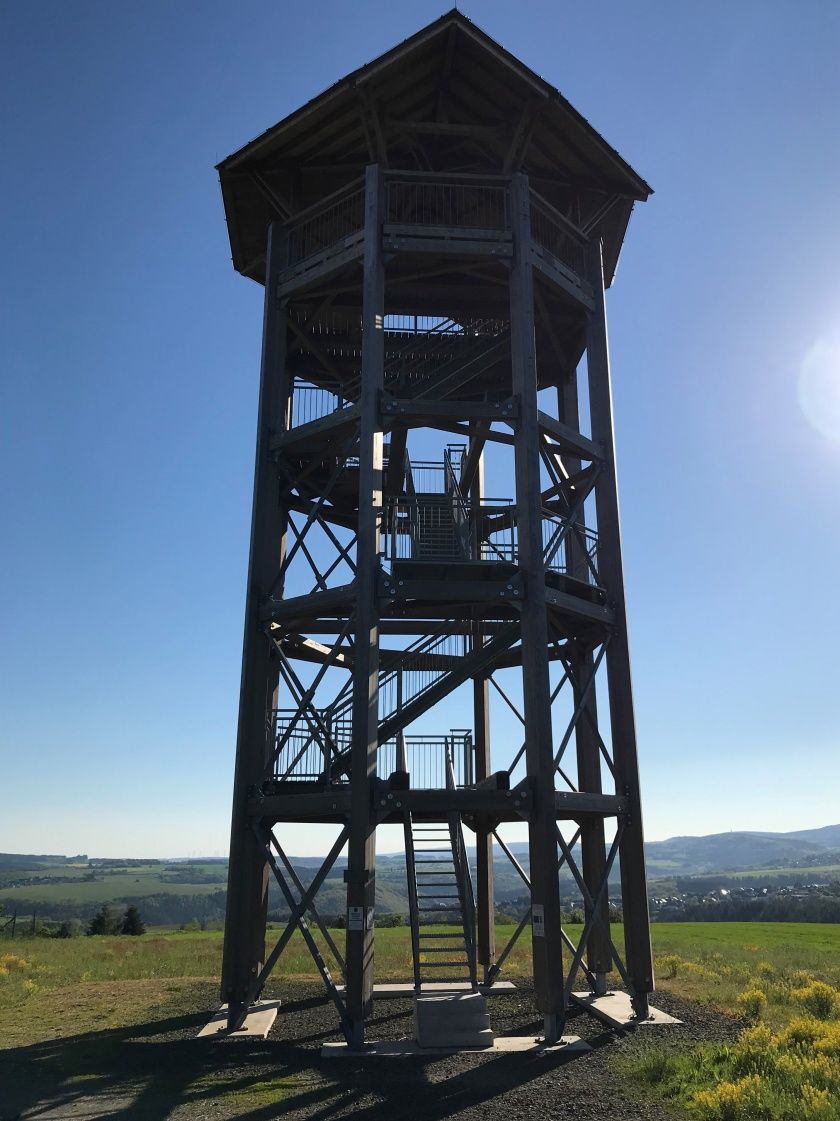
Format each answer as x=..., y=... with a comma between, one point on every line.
x=724, y=852
x=61, y=887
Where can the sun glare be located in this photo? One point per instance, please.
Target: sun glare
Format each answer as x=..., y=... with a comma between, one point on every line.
x=819, y=387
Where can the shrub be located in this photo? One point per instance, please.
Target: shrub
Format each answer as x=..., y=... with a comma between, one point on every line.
x=802, y=1032
x=11, y=963
x=70, y=928
x=816, y=1102
x=819, y=999
x=670, y=965
x=752, y=1004
x=753, y=1050
x=389, y=920
x=731, y=1101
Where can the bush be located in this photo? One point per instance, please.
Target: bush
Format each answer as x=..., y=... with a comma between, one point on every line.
x=819, y=999
x=390, y=920
x=752, y=1004
x=670, y=965
x=70, y=928
x=731, y=1101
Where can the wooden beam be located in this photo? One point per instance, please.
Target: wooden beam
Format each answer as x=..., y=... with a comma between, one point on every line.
x=442, y=128
x=281, y=205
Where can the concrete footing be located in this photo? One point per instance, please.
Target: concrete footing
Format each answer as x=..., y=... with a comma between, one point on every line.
x=615, y=1009
x=401, y=989
x=452, y=1019
x=257, y=1023
x=401, y=1048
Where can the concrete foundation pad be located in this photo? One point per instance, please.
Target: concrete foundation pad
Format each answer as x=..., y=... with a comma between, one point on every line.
x=402, y=1048
x=616, y=1010
x=400, y=989
x=257, y=1023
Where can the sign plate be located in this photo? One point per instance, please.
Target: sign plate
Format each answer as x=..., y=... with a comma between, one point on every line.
x=355, y=918
x=538, y=920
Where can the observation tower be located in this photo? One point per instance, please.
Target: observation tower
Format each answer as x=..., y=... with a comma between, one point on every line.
x=435, y=627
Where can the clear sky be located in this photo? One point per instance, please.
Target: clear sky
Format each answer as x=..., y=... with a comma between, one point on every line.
x=129, y=380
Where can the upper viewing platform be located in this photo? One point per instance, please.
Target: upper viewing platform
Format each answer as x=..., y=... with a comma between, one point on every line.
x=450, y=116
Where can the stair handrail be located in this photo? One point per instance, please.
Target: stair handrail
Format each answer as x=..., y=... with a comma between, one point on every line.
x=463, y=875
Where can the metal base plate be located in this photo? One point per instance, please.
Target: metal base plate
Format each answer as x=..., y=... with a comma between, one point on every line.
x=257, y=1023
x=615, y=1009
x=401, y=1048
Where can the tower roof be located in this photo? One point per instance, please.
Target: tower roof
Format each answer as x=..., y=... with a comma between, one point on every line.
x=448, y=99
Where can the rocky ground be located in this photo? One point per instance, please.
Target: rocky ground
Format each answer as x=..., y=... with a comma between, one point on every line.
x=158, y=1069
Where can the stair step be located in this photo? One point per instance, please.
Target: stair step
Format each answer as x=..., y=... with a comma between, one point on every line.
x=439, y=936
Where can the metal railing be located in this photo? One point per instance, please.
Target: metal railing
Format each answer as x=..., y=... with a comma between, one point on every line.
x=447, y=204
x=419, y=668
x=445, y=527
x=570, y=551
x=329, y=221
x=448, y=527
x=302, y=756
x=312, y=402
x=426, y=759
x=437, y=203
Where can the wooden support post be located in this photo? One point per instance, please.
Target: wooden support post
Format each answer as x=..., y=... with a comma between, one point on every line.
x=485, y=908
x=361, y=854
x=247, y=898
x=592, y=839
x=536, y=685
x=622, y=720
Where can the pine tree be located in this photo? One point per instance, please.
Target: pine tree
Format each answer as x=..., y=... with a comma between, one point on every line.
x=105, y=921
x=132, y=922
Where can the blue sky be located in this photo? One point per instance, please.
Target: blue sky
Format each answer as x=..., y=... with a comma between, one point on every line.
x=129, y=381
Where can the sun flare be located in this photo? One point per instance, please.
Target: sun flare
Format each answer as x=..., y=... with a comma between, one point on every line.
x=819, y=387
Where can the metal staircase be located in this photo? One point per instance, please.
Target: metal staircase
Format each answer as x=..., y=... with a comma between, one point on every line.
x=440, y=893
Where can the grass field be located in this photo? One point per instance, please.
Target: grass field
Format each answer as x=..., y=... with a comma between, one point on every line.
x=782, y=978
x=110, y=884
x=708, y=962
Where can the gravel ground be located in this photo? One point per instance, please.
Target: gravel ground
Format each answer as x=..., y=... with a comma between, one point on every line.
x=159, y=1070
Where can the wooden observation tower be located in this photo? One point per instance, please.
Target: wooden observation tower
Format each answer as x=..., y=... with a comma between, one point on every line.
x=435, y=628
